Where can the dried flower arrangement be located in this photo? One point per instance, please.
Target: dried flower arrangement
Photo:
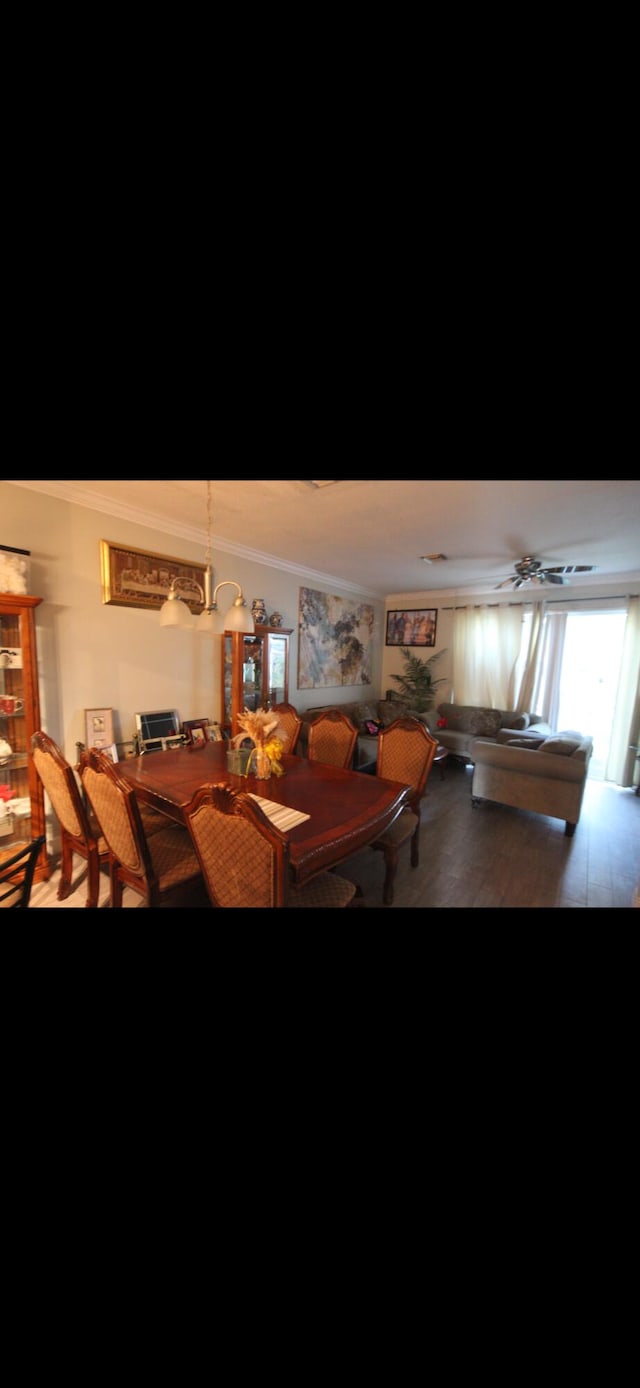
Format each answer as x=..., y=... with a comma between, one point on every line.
x=261, y=727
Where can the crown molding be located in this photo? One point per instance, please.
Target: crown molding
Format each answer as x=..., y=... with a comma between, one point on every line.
x=70, y=492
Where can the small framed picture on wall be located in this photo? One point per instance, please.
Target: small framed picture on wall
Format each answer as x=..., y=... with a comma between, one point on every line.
x=416, y=627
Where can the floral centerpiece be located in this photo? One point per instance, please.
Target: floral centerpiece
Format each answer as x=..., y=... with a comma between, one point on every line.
x=261, y=727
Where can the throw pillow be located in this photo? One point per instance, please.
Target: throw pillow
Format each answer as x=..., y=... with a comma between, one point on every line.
x=560, y=746
x=484, y=722
x=390, y=709
x=517, y=721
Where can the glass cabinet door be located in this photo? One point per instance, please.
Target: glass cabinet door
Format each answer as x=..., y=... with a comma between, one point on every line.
x=255, y=672
x=278, y=682
x=21, y=796
x=252, y=654
x=241, y=675
x=15, y=801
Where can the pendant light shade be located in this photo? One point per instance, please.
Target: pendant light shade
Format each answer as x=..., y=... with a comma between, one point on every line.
x=239, y=617
x=208, y=623
x=175, y=613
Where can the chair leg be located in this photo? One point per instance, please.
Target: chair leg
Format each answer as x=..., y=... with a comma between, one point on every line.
x=94, y=878
x=116, y=885
x=415, y=846
x=390, y=865
x=66, y=865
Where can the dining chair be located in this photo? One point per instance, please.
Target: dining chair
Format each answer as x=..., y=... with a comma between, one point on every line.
x=406, y=751
x=16, y=873
x=245, y=858
x=332, y=739
x=79, y=829
x=162, y=866
x=290, y=725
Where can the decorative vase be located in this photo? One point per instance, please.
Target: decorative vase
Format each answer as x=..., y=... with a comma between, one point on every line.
x=259, y=611
x=260, y=764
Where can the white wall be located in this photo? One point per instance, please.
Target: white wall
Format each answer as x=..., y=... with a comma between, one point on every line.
x=96, y=655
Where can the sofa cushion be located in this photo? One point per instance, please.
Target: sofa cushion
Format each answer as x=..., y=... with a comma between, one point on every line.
x=470, y=718
x=560, y=745
x=530, y=736
x=364, y=713
x=531, y=742
x=390, y=709
x=456, y=716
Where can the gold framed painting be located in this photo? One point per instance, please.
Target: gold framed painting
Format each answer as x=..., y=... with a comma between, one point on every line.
x=138, y=578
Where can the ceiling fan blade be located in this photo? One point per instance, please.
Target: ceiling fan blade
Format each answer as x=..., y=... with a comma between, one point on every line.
x=552, y=578
x=505, y=581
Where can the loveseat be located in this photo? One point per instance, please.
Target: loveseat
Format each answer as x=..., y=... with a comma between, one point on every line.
x=464, y=722
x=545, y=774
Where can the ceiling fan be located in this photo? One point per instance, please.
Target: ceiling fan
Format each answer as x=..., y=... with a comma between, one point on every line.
x=530, y=570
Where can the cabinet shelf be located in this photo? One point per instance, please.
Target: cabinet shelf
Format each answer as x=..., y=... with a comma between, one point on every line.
x=16, y=762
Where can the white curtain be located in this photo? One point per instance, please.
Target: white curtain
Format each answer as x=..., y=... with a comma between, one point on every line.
x=532, y=659
x=546, y=687
x=626, y=720
x=486, y=646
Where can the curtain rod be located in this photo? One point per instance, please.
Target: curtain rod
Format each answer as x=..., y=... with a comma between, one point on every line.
x=550, y=602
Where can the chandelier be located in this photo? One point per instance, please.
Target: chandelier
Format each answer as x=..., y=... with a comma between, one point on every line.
x=175, y=611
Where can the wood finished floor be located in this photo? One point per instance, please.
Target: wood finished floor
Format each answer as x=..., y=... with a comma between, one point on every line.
x=488, y=856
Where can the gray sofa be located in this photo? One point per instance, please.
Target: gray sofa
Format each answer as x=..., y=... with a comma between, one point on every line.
x=544, y=774
x=465, y=722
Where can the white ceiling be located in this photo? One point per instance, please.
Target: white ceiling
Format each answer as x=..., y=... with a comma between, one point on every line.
x=369, y=536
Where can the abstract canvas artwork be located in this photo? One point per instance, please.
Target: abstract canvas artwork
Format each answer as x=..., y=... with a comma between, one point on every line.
x=334, y=640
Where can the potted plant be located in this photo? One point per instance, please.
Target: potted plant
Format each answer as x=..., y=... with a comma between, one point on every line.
x=416, y=684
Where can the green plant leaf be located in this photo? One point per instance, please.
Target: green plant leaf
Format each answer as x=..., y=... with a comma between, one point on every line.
x=417, y=684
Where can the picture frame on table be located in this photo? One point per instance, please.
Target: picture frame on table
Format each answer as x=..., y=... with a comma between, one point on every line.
x=197, y=730
x=98, y=724
x=412, y=627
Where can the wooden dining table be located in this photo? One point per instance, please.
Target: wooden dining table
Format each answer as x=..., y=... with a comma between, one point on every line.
x=346, y=809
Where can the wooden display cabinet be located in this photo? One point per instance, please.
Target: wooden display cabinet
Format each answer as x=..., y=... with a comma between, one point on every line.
x=23, y=801
x=255, y=672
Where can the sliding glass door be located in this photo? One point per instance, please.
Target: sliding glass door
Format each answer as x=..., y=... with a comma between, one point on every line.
x=589, y=679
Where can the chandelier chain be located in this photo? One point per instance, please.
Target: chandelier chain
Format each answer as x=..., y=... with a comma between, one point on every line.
x=207, y=552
